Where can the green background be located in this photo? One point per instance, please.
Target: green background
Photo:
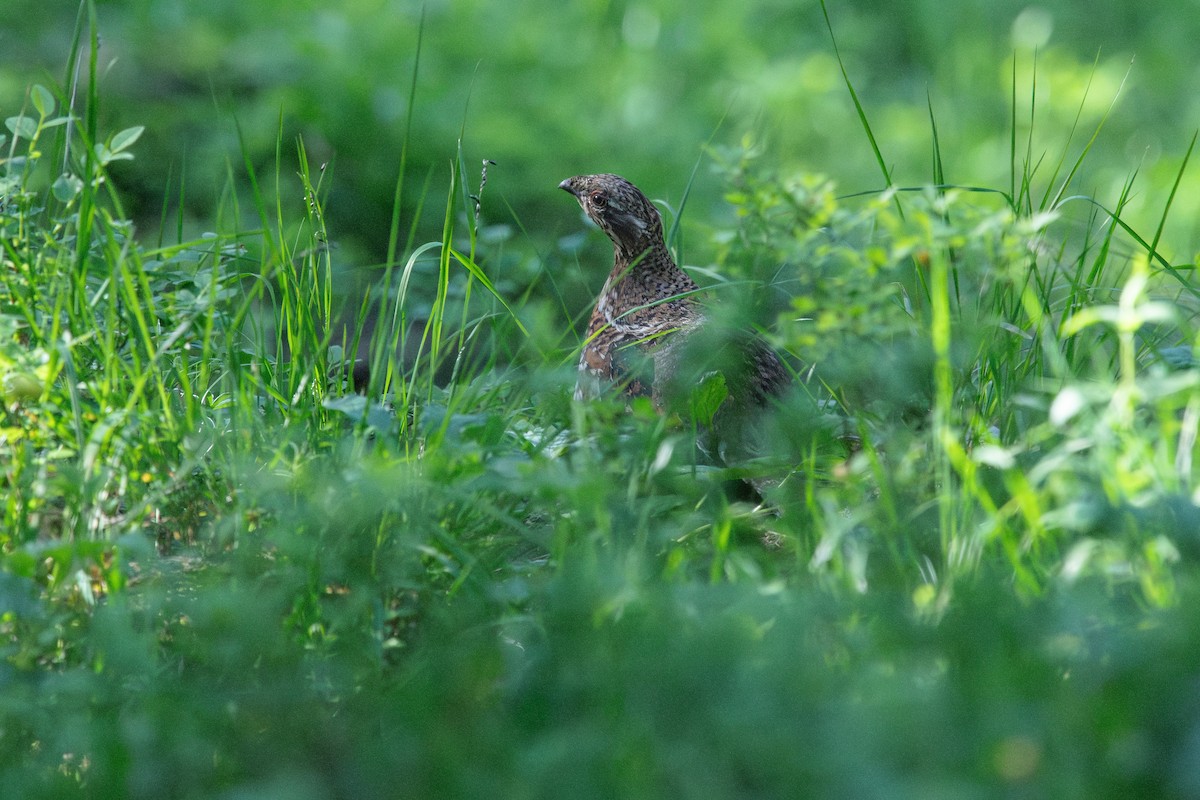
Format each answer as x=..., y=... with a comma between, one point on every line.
x=552, y=89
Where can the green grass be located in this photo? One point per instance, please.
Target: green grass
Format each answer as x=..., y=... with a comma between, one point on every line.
x=224, y=573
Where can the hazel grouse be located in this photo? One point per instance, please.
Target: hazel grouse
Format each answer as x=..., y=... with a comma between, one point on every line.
x=648, y=334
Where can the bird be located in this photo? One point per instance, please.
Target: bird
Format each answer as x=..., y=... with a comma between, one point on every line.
x=649, y=334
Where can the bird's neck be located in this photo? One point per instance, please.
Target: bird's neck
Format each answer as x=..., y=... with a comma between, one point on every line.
x=643, y=277
x=641, y=258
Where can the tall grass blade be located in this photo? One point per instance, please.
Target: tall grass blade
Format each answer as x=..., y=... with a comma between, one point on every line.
x=858, y=107
x=1046, y=202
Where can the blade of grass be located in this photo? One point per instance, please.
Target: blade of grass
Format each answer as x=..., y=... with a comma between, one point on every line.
x=858, y=107
x=939, y=172
x=1012, y=140
x=1162, y=220
x=1046, y=203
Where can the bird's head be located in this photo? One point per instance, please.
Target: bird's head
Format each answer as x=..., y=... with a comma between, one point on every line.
x=619, y=208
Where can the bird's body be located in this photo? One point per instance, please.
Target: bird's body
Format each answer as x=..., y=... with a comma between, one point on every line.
x=647, y=316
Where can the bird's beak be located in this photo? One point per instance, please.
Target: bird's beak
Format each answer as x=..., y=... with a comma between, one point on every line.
x=566, y=187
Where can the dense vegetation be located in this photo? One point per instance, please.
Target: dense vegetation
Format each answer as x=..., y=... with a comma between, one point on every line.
x=225, y=572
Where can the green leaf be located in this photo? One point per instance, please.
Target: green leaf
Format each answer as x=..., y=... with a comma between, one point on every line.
x=480, y=276
x=22, y=127
x=66, y=187
x=355, y=406
x=707, y=397
x=352, y=405
x=106, y=155
x=42, y=99
x=126, y=138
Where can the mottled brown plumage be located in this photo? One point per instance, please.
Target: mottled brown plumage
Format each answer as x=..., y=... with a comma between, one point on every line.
x=648, y=312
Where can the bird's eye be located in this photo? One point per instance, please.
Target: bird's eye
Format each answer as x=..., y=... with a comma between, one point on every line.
x=599, y=200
